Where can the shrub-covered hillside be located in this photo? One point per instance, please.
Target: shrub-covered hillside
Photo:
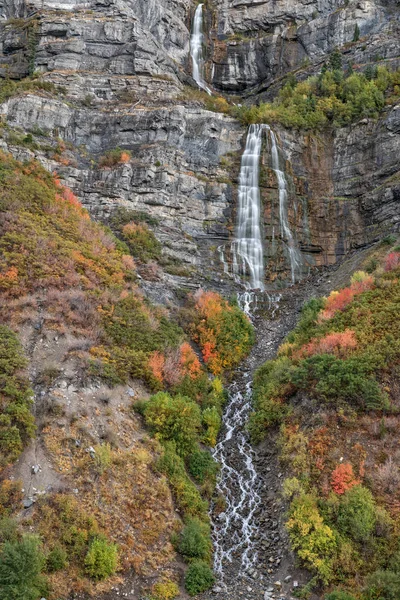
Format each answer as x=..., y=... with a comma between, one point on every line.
x=97, y=495
x=333, y=98
x=333, y=392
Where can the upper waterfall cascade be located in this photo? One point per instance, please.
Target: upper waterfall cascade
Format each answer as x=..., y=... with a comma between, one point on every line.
x=196, y=49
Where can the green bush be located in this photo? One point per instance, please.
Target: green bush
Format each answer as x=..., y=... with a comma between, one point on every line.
x=102, y=558
x=331, y=98
x=340, y=595
x=332, y=379
x=307, y=325
x=175, y=419
x=17, y=424
x=382, y=585
x=132, y=324
x=199, y=578
x=212, y=421
x=56, y=559
x=202, y=466
x=141, y=242
x=186, y=494
x=194, y=540
x=21, y=565
x=8, y=530
x=357, y=513
x=271, y=383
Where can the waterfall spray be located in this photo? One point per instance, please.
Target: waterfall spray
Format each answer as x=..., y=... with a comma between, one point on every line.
x=196, y=49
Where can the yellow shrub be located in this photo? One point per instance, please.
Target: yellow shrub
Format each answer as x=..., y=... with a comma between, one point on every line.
x=165, y=591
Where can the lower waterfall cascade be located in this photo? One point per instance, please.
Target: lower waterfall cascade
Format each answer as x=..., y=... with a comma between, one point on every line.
x=295, y=257
x=247, y=247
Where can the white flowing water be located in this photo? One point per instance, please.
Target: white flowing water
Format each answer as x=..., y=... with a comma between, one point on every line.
x=196, y=49
x=295, y=257
x=233, y=530
x=222, y=259
x=247, y=248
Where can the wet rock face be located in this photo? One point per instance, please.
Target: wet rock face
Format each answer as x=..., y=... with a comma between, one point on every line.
x=258, y=42
x=124, y=67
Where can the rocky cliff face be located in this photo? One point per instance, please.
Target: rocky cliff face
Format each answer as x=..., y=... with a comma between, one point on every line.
x=123, y=69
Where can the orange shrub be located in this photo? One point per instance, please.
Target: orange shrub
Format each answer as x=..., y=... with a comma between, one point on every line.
x=189, y=362
x=343, y=478
x=9, y=278
x=156, y=364
x=210, y=304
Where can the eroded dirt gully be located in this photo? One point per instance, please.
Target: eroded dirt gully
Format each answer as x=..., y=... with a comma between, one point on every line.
x=270, y=570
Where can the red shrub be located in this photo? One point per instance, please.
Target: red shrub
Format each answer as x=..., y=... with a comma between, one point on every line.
x=343, y=478
x=392, y=261
x=333, y=343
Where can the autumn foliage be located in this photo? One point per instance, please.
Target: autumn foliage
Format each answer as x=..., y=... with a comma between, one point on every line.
x=343, y=478
x=223, y=332
x=392, y=261
x=172, y=366
x=338, y=300
x=337, y=343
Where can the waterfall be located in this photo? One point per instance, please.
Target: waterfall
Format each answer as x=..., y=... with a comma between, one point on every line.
x=247, y=248
x=295, y=257
x=196, y=49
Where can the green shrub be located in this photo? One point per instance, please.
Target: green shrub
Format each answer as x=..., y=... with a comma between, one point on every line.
x=382, y=585
x=114, y=157
x=8, y=530
x=194, y=540
x=340, y=595
x=305, y=328
x=102, y=558
x=186, y=494
x=271, y=383
x=56, y=559
x=212, y=421
x=21, y=565
x=357, y=513
x=389, y=240
x=131, y=323
x=141, y=241
x=331, y=98
x=16, y=420
x=202, y=466
x=332, y=379
x=175, y=419
x=102, y=457
x=199, y=578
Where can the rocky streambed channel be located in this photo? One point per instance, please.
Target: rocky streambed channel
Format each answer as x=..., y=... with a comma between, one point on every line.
x=252, y=559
